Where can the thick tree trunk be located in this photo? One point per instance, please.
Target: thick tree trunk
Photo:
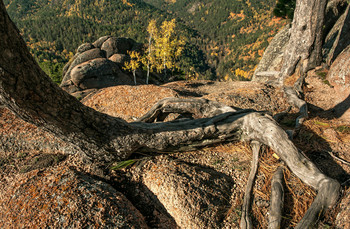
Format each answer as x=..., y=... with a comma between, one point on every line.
x=28, y=92
x=304, y=49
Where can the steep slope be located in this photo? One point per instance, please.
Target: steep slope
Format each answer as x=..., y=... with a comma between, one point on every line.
x=234, y=33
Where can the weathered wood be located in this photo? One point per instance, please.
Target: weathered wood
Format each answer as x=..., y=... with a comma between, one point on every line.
x=196, y=108
x=246, y=221
x=328, y=189
x=276, y=200
x=294, y=100
x=305, y=43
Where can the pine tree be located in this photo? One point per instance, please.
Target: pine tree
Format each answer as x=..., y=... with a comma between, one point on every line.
x=284, y=8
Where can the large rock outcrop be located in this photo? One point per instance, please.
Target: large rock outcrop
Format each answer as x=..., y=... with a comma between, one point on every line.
x=98, y=65
x=339, y=78
x=127, y=102
x=63, y=198
x=200, y=189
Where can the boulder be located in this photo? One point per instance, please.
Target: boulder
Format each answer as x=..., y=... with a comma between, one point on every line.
x=119, y=58
x=81, y=58
x=137, y=47
x=339, y=78
x=98, y=73
x=271, y=62
x=64, y=198
x=98, y=43
x=115, y=45
x=85, y=47
x=127, y=102
x=195, y=197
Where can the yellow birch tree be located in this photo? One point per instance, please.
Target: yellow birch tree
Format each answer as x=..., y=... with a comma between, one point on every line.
x=133, y=64
x=164, y=47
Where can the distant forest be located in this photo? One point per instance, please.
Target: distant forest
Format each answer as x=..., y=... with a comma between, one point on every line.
x=225, y=39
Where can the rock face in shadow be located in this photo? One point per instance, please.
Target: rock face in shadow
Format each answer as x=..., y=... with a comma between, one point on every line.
x=115, y=45
x=90, y=67
x=63, y=198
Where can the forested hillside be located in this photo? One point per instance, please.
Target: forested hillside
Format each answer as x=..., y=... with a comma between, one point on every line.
x=53, y=29
x=228, y=36
x=234, y=33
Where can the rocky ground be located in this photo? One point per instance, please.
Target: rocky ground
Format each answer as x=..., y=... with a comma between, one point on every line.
x=45, y=182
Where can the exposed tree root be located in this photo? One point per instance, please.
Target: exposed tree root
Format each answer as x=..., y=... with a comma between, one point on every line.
x=246, y=222
x=195, y=108
x=276, y=200
x=254, y=126
x=294, y=100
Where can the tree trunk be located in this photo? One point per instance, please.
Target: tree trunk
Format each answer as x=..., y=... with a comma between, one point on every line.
x=28, y=92
x=304, y=50
x=149, y=55
x=134, y=74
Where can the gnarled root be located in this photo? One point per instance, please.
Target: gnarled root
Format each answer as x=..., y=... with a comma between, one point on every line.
x=294, y=100
x=257, y=127
x=197, y=108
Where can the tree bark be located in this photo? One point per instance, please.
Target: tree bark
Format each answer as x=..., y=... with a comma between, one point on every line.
x=304, y=49
x=28, y=92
